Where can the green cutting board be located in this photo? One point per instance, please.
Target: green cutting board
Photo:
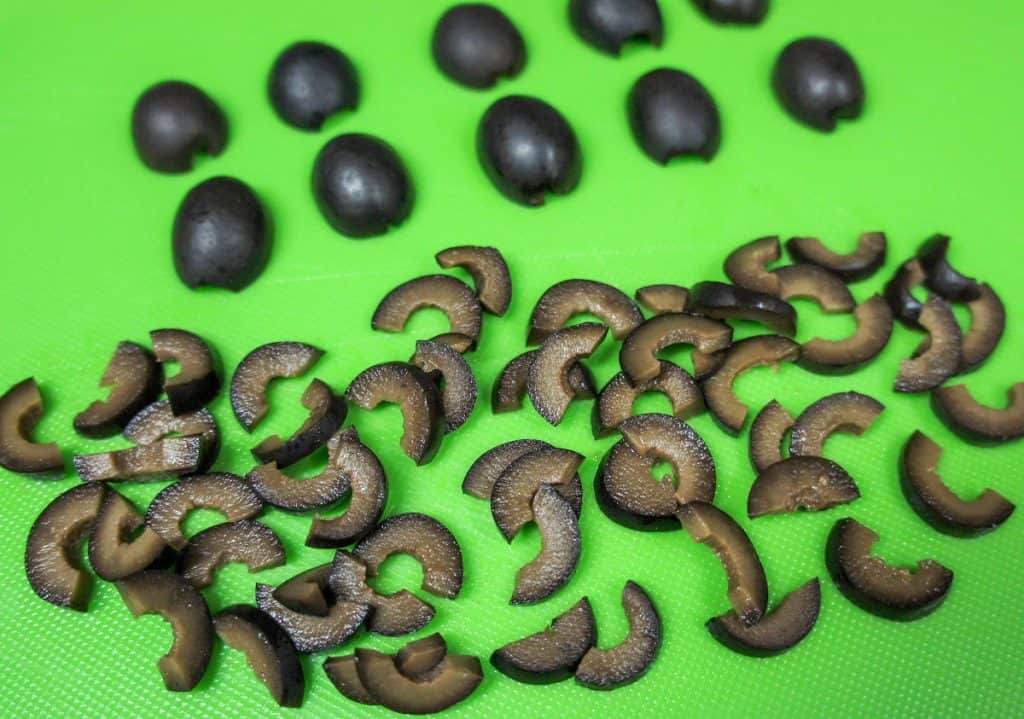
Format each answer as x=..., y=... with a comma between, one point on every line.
x=85, y=262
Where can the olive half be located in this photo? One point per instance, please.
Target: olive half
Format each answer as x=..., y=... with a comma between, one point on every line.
x=458, y=384
x=638, y=355
x=512, y=493
x=939, y=275
x=851, y=412
x=607, y=25
x=199, y=374
x=309, y=632
x=452, y=296
x=813, y=283
x=672, y=114
x=246, y=541
x=389, y=614
x=173, y=121
x=255, y=372
x=475, y=44
x=938, y=358
x=171, y=457
x=268, y=649
x=327, y=412
x=425, y=539
x=133, y=377
x=21, y=408
x=767, y=433
x=633, y=656
x=874, y=327
x=158, y=421
x=866, y=259
x=809, y=484
x=510, y=387
x=722, y=301
x=988, y=320
x=548, y=380
x=220, y=491
x=553, y=654
x=776, y=632
x=451, y=681
x=310, y=82
x=662, y=299
x=743, y=12
x=615, y=403
x=818, y=83
x=555, y=564
x=978, y=423
x=489, y=466
x=746, y=265
x=299, y=495
x=568, y=298
x=489, y=272
x=113, y=553
x=899, y=293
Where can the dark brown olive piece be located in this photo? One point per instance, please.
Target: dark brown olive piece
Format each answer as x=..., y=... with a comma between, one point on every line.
x=874, y=327
x=52, y=552
x=939, y=356
x=662, y=299
x=513, y=492
x=664, y=438
x=21, y=408
x=310, y=633
x=453, y=297
x=745, y=266
x=268, y=649
x=568, y=298
x=988, y=320
x=133, y=377
x=748, y=588
x=638, y=355
x=777, y=632
x=510, y=387
x=158, y=421
x=489, y=272
x=607, y=25
x=978, y=423
x=112, y=552
x=630, y=659
x=615, y=403
x=457, y=341
x=899, y=293
x=813, y=283
x=548, y=380
x=416, y=660
x=809, y=484
x=553, y=654
x=484, y=472
x=165, y=458
x=721, y=301
x=390, y=615
x=454, y=679
x=173, y=121
x=746, y=354
x=939, y=275
x=851, y=412
x=705, y=365
x=426, y=540
x=628, y=493
x=327, y=412
x=936, y=503
x=345, y=677
x=865, y=260
x=307, y=592
x=459, y=389
x=742, y=12
x=554, y=565
x=878, y=587
x=299, y=495
x=268, y=362
x=253, y=544
x=219, y=491
x=415, y=393
x=198, y=378
x=183, y=607
x=767, y=433
x=671, y=114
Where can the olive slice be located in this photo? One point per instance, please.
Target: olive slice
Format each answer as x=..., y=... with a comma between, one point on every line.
x=389, y=614
x=459, y=390
x=307, y=592
x=874, y=327
x=851, y=412
x=767, y=433
x=170, y=457
x=809, y=484
x=745, y=266
x=748, y=588
x=21, y=408
x=638, y=355
x=158, y=421
x=421, y=656
x=721, y=301
x=453, y=297
x=267, y=362
x=778, y=631
x=988, y=320
x=52, y=552
x=220, y=491
x=668, y=439
x=563, y=300
x=628, y=493
x=939, y=275
x=454, y=679
x=554, y=565
x=936, y=503
x=878, y=587
x=246, y=541
x=978, y=423
x=426, y=540
x=615, y=403
x=662, y=299
x=552, y=654
x=548, y=380
x=938, y=357
x=489, y=272
x=705, y=365
x=415, y=393
x=183, y=607
x=345, y=677
x=198, y=379
x=629, y=660
x=509, y=389
x=267, y=648
x=607, y=25
x=112, y=554
x=310, y=633
x=814, y=283
x=513, y=492
x=865, y=260
x=133, y=377
x=899, y=294
x=327, y=412
x=746, y=354
x=457, y=341
x=484, y=472
x=298, y=495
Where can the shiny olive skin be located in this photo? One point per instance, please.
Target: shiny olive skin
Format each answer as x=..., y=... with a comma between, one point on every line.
x=609, y=24
x=311, y=81
x=671, y=114
x=173, y=121
x=818, y=83
x=475, y=44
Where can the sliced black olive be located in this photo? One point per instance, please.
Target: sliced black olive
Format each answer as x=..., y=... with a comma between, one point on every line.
x=183, y=607
x=748, y=588
x=454, y=679
x=672, y=114
x=172, y=121
x=453, y=297
x=165, y=458
x=778, y=631
x=489, y=272
x=809, y=484
x=568, y=298
x=112, y=552
x=510, y=387
x=548, y=380
x=668, y=439
x=133, y=377
x=851, y=412
x=609, y=24
x=628, y=493
x=476, y=44
x=52, y=552
x=255, y=372
x=253, y=544
x=457, y=341
x=553, y=654
x=978, y=423
x=513, y=491
x=745, y=12
x=812, y=282
x=746, y=265
x=988, y=320
x=878, y=587
x=818, y=83
x=459, y=389
x=158, y=421
x=299, y=495
x=938, y=358
x=706, y=364
x=268, y=649
x=874, y=327
x=361, y=185
x=662, y=299
x=327, y=412
x=345, y=677
x=721, y=301
x=310, y=633
x=898, y=293
x=220, y=491
x=311, y=81
x=630, y=659
x=307, y=592
x=638, y=355
x=489, y=466
x=865, y=260
x=423, y=538
x=415, y=393
x=555, y=564
x=746, y=354
x=615, y=403
x=767, y=433
x=421, y=656
x=21, y=408
x=936, y=503
x=198, y=378
x=389, y=614
x=939, y=275
x=527, y=149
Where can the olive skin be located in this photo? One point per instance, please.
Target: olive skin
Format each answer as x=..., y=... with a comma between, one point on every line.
x=671, y=114
x=222, y=235
x=475, y=44
x=527, y=149
x=609, y=24
x=744, y=12
x=172, y=121
x=311, y=81
x=818, y=82
x=361, y=185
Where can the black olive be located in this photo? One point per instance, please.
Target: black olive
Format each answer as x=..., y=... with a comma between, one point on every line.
x=527, y=149
x=361, y=185
x=671, y=114
x=610, y=24
x=475, y=44
x=747, y=12
x=311, y=81
x=222, y=235
x=172, y=121
x=818, y=82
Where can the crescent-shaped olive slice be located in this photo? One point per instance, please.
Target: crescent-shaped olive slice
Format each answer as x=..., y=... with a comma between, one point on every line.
x=158, y=421
x=509, y=389
x=453, y=297
x=457, y=341
x=899, y=294
x=199, y=374
x=977, y=423
x=171, y=457
x=327, y=412
x=936, y=503
x=721, y=301
x=748, y=588
x=874, y=327
x=638, y=355
x=415, y=660
x=865, y=260
x=746, y=354
x=345, y=677
x=705, y=365
x=615, y=403
x=552, y=654
x=415, y=393
x=310, y=633
x=451, y=681
x=778, y=631
x=484, y=472
x=628, y=493
x=252, y=543
x=548, y=379
x=568, y=298
x=938, y=357
x=939, y=275
x=459, y=389
x=662, y=299
x=426, y=540
x=183, y=607
x=513, y=492
x=767, y=433
x=267, y=648
x=21, y=408
x=745, y=266
x=988, y=320
x=390, y=615
x=880, y=588
x=52, y=553
x=668, y=439
x=630, y=659
x=113, y=554
x=800, y=484
x=307, y=592
x=219, y=491
x=813, y=283
x=489, y=272
x=851, y=412
x=554, y=565
x=133, y=377
x=276, y=360
x=299, y=495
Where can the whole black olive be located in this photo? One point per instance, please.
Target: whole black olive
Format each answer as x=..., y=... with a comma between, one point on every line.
x=475, y=44
x=527, y=149
x=610, y=24
x=361, y=185
x=311, y=81
x=222, y=236
x=172, y=121
x=671, y=114
x=818, y=82
x=747, y=12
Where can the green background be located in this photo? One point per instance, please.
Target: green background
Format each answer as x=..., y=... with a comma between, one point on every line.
x=85, y=262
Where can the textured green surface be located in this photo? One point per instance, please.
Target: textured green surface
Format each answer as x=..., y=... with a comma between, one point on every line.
x=85, y=261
